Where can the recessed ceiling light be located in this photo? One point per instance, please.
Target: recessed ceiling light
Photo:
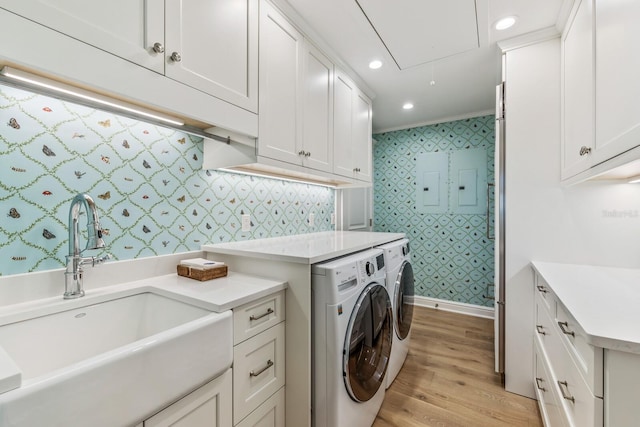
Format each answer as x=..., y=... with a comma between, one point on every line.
x=375, y=64
x=506, y=22
x=407, y=106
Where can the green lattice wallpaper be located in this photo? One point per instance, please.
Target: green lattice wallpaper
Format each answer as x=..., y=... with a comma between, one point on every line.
x=152, y=195
x=452, y=256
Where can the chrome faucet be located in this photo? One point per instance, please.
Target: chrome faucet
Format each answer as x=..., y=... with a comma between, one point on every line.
x=73, y=287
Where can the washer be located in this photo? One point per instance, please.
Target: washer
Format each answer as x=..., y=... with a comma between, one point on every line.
x=352, y=328
x=401, y=288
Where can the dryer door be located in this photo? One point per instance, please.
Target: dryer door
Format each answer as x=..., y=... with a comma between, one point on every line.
x=403, y=300
x=368, y=343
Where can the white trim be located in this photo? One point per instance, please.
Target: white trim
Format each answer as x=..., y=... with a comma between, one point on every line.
x=438, y=121
x=563, y=15
x=528, y=39
x=455, y=307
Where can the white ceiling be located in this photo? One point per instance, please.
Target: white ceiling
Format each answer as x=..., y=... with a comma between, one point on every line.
x=459, y=34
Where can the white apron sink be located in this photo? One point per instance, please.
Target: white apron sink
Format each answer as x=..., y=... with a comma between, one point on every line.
x=108, y=363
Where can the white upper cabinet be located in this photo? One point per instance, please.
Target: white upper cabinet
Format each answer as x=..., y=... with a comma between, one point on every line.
x=600, y=88
x=352, y=152
x=279, y=122
x=362, y=143
x=210, y=45
x=617, y=82
x=126, y=28
x=317, y=109
x=577, y=91
x=296, y=96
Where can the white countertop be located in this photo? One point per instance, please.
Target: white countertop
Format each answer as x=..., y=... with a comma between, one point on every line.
x=309, y=248
x=604, y=301
x=216, y=295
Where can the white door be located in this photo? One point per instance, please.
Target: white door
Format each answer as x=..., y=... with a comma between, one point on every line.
x=577, y=91
x=343, y=125
x=361, y=153
x=281, y=47
x=355, y=208
x=208, y=406
x=617, y=85
x=126, y=28
x=212, y=45
x=317, y=110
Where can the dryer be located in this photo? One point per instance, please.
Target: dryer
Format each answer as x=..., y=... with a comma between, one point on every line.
x=401, y=288
x=352, y=334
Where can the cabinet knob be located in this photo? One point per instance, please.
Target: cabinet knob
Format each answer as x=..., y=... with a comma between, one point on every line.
x=158, y=47
x=307, y=154
x=301, y=153
x=564, y=390
x=175, y=57
x=584, y=150
x=356, y=169
x=564, y=327
x=540, y=330
x=538, y=382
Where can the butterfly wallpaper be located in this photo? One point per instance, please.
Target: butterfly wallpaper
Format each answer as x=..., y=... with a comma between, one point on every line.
x=152, y=195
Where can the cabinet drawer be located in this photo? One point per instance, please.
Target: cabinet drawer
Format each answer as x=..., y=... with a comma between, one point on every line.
x=586, y=357
x=575, y=396
x=257, y=316
x=269, y=414
x=548, y=398
x=258, y=370
x=543, y=291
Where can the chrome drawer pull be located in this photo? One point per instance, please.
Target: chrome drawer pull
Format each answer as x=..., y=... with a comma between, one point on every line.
x=538, y=381
x=542, y=289
x=255, y=374
x=564, y=386
x=540, y=330
x=269, y=311
x=563, y=326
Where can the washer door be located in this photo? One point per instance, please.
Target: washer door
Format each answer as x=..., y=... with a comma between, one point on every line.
x=403, y=300
x=367, y=344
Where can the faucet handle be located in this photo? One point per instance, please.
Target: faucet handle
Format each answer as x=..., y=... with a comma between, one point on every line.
x=102, y=259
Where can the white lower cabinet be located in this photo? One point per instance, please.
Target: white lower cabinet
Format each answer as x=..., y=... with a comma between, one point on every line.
x=252, y=393
x=208, y=406
x=259, y=363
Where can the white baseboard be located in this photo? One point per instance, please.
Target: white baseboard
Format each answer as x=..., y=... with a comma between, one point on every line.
x=455, y=307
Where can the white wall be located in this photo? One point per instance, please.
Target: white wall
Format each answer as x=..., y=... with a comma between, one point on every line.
x=545, y=221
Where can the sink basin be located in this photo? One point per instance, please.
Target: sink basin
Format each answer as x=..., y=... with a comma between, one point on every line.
x=112, y=362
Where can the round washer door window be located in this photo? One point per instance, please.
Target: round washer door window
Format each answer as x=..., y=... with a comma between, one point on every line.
x=368, y=343
x=403, y=300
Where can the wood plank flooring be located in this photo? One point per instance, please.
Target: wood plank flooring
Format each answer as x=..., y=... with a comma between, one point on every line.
x=448, y=379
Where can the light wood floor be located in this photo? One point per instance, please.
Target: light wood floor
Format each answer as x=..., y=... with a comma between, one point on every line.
x=448, y=379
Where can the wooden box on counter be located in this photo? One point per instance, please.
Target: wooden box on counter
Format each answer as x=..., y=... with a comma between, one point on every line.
x=202, y=275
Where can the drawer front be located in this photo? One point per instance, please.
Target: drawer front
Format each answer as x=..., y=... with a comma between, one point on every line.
x=257, y=316
x=587, y=358
x=579, y=403
x=545, y=329
x=269, y=414
x=548, y=399
x=543, y=291
x=258, y=370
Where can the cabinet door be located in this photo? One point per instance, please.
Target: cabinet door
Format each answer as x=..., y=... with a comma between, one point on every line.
x=577, y=90
x=362, y=146
x=279, y=127
x=317, y=109
x=212, y=45
x=125, y=28
x=343, y=125
x=617, y=70
x=208, y=406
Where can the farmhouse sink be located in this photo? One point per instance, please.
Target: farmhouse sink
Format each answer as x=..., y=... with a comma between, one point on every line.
x=109, y=363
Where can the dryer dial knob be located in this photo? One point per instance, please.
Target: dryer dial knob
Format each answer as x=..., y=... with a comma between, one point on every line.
x=369, y=268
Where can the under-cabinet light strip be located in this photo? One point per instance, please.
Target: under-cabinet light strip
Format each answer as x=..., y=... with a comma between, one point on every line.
x=61, y=88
